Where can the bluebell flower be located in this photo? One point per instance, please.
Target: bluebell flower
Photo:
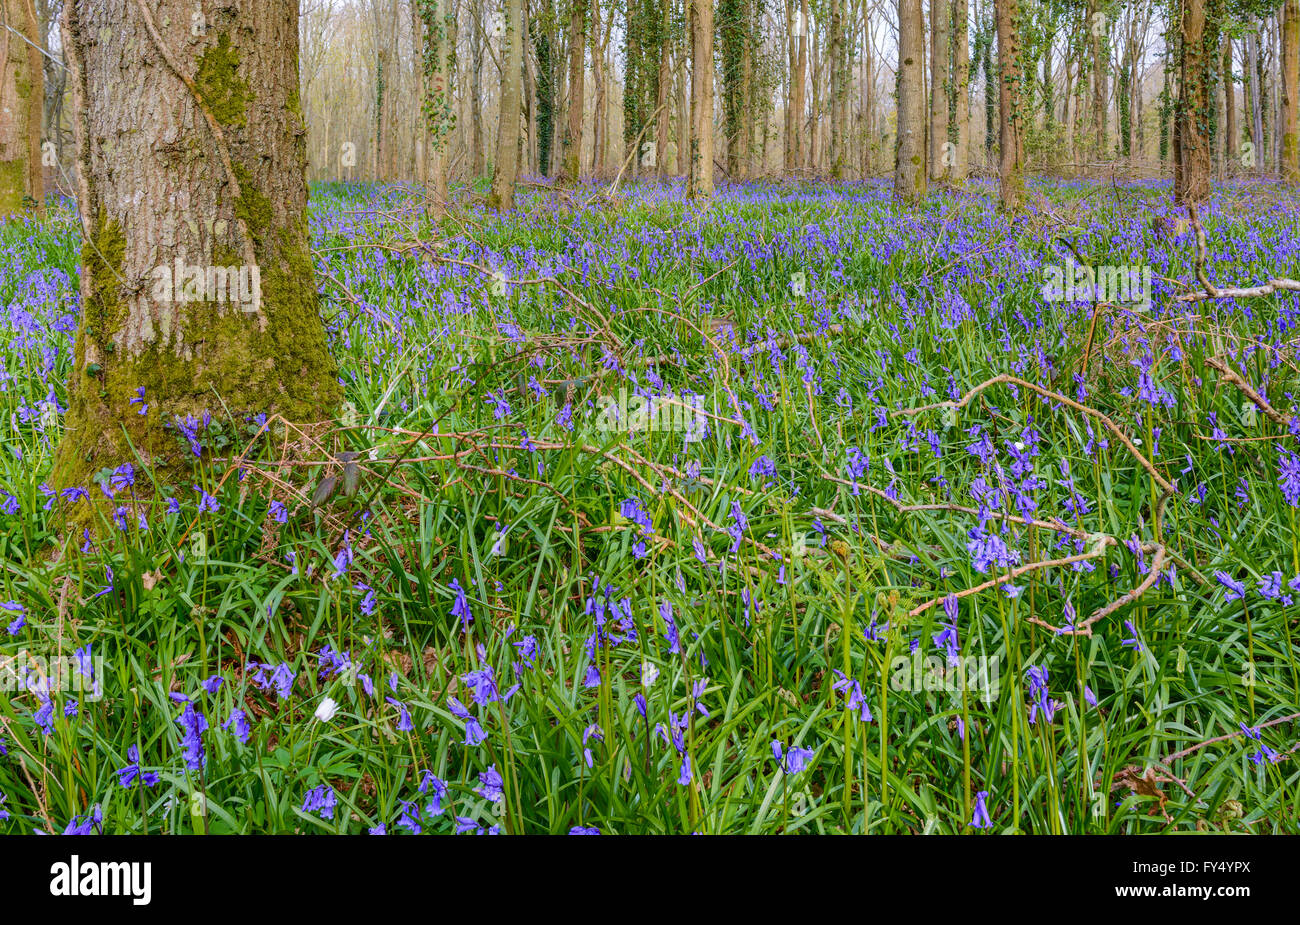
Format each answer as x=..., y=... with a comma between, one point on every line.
x=490, y=784
x=320, y=800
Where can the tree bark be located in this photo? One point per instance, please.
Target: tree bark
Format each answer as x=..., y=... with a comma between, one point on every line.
x=599, y=120
x=1254, y=89
x=477, y=148
x=909, y=150
x=1011, y=157
x=939, y=85
x=700, y=182
x=198, y=160
x=1231, y=131
x=22, y=104
x=798, y=88
x=433, y=22
x=505, y=167
x=839, y=67
x=1290, y=126
x=1192, y=173
x=961, y=83
x=663, y=89
x=571, y=146
x=1099, y=32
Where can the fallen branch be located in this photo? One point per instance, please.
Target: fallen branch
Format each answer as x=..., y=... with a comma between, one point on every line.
x=1280, y=284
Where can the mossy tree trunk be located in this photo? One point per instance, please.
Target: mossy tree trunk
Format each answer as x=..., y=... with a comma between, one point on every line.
x=1230, y=134
x=939, y=87
x=1198, y=54
x=839, y=67
x=22, y=101
x=909, y=148
x=699, y=183
x=190, y=155
x=571, y=143
x=432, y=24
x=505, y=166
x=1011, y=127
x=1290, y=127
x=1098, y=26
x=961, y=83
x=663, y=86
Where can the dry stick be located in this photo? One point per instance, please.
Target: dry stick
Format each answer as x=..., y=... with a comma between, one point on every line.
x=1098, y=550
x=1213, y=292
x=1097, y=306
x=961, y=509
x=1232, y=735
x=1085, y=628
x=1229, y=375
x=636, y=148
x=1055, y=396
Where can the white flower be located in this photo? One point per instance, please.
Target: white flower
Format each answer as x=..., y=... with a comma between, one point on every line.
x=649, y=674
x=325, y=712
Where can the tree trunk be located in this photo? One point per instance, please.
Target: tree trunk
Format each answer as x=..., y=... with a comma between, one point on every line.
x=197, y=162
x=505, y=168
x=599, y=122
x=22, y=102
x=477, y=147
x=909, y=150
x=663, y=89
x=839, y=66
x=683, y=145
x=571, y=150
x=1098, y=31
x=1192, y=173
x=1256, y=103
x=432, y=25
x=1290, y=127
x=700, y=182
x=1231, y=132
x=749, y=114
x=961, y=73
x=798, y=88
x=940, y=161
x=1011, y=179
x=790, y=42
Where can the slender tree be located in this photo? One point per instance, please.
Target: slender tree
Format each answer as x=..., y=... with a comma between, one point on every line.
x=1290, y=127
x=1231, y=131
x=940, y=84
x=798, y=84
x=505, y=166
x=477, y=146
x=700, y=179
x=961, y=89
x=197, y=289
x=663, y=86
x=22, y=102
x=1198, y=49
x=839, y=86
x=1011, y=103
x=909, y=149
x=571, y=143
x=433, y=24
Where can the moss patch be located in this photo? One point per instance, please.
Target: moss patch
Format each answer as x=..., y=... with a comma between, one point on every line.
x=219, y=84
